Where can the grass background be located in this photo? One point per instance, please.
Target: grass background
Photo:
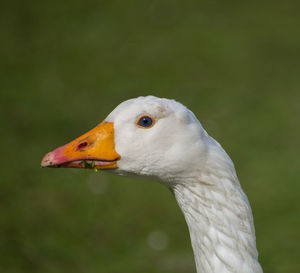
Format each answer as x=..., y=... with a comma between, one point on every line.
x=66, y=64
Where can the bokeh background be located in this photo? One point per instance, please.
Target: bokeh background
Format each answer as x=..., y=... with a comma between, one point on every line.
x=66, y=64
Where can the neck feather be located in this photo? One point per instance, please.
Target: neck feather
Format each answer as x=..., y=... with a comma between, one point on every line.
x=220, y=222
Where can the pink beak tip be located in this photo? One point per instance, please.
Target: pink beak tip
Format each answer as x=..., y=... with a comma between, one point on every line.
x=47, y=160
x=54, y=158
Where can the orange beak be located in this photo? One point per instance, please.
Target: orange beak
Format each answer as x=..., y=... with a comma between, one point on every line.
x=95, y=149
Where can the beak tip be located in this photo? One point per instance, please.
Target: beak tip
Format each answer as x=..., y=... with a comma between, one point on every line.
x=54, y=157
x=47, y=160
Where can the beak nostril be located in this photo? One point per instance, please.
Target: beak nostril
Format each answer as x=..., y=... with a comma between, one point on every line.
x=82, y=145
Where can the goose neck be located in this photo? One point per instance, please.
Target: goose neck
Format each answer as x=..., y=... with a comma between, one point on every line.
x=220, y=223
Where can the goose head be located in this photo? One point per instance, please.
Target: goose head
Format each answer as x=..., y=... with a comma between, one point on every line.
x=146, y=136
x=162, y=139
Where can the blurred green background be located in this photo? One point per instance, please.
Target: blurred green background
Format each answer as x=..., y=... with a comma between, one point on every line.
x=66, y=64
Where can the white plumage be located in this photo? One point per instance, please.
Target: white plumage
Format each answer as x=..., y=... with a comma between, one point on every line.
x=178, y=152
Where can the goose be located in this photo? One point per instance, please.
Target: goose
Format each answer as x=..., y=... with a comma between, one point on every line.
x=162, y=139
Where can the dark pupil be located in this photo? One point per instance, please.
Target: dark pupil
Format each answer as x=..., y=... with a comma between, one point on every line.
x=145, y=122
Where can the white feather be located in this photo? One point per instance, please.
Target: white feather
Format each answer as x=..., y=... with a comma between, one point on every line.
x=180, y=154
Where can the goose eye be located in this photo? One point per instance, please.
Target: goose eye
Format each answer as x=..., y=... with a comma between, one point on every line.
x=145, y=122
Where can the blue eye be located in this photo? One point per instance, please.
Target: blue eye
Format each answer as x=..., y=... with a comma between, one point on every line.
x=145, y=122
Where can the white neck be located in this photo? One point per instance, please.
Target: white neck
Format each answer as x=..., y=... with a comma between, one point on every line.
x=220, y=222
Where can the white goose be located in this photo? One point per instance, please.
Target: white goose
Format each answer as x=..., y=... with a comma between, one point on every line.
x=161, y=138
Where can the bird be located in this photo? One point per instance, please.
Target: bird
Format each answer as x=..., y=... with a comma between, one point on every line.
x=162, y=139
